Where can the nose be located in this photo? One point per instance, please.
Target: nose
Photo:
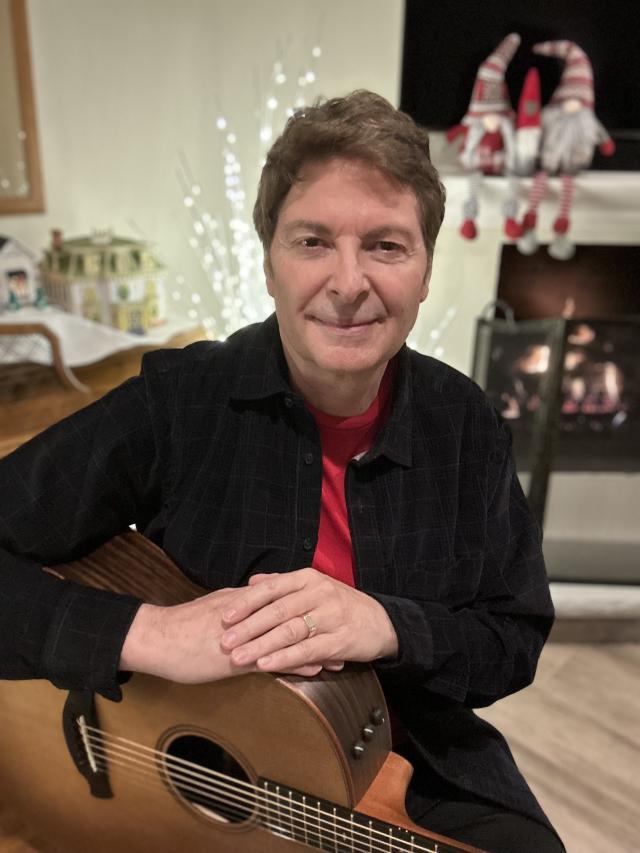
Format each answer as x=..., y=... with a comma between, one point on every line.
x=349, y=281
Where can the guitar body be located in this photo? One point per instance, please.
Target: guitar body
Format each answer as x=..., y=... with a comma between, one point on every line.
x=266, y=726
x=294, y=735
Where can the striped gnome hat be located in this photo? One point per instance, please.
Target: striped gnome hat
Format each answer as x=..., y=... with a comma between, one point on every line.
x=490, y=94
x=577, y=75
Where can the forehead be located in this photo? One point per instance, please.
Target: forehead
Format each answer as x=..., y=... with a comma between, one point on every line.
x=342, y=189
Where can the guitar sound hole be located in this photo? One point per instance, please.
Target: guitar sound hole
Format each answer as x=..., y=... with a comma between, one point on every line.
x=216, y=786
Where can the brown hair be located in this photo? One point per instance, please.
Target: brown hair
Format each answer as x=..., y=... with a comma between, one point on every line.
x=364, y=126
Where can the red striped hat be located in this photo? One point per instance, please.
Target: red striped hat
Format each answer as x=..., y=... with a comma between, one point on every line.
x=490, y=94
x=577, y=76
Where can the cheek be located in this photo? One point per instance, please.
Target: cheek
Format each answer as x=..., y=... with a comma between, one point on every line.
x=403, y=303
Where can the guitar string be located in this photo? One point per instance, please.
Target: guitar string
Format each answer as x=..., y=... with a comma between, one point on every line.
x=312, y=826
x=252, y=788
x=142, y=777
x=311, y=816
x=307, y=833
x=203, y=772
x=313, y=835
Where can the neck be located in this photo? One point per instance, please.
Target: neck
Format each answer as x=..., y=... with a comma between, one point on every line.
x=341, y=394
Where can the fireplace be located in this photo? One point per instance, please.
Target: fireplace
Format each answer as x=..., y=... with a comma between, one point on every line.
x=563, y=369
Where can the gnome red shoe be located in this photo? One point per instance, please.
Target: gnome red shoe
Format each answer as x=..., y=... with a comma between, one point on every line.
x=530, y=220
x=512, y=228
x=468, y=229
x=608, y=148
x=561, y=225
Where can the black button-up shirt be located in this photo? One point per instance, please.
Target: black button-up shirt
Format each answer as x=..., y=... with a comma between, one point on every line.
x=214, y=457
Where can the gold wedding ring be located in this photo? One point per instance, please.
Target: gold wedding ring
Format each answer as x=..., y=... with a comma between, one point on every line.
x=311, y=625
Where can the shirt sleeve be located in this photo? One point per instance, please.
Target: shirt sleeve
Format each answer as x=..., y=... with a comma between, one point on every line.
x=73, y=487
x=483, y=651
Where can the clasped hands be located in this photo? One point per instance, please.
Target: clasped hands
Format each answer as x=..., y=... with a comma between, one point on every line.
x=260, y=627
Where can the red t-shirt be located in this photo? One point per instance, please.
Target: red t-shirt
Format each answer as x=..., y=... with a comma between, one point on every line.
x=343, y=438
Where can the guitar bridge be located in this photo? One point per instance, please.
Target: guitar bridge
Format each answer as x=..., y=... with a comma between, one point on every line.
x=81, y=733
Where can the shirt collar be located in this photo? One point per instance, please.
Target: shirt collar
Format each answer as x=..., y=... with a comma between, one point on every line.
x=263, y=370
x=395, y=439
x=263, y=373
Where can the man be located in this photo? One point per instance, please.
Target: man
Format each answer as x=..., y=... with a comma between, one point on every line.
x=345, y=498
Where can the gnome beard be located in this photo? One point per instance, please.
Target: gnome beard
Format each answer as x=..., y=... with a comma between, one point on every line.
x=527, y=149
x=488, y=150
x=570, y=139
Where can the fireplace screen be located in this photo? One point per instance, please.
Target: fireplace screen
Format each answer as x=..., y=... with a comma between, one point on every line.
x=595, y=401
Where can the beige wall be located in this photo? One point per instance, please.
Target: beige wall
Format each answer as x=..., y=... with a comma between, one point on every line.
x=122, y=87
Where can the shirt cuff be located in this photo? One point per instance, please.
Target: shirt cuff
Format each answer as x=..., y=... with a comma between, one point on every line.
x=415, y=640
x=84, y=641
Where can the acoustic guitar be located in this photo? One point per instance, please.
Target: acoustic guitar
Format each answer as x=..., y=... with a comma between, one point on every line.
x=253, y=764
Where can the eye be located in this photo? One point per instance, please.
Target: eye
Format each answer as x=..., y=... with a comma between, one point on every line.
x=387, y=249
x=311, y=242
x=389, y=246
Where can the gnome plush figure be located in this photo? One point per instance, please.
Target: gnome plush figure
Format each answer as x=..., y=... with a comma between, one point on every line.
x=528, y=126
x=570, y=134
x=487, y=135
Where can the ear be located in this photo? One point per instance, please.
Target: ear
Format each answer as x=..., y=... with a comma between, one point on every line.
x=424, y=292
x=268, y=273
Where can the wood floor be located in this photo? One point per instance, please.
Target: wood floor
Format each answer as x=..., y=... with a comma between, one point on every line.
x=576, y=736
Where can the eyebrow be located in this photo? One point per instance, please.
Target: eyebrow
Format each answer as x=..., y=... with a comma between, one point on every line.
x=321, y=230
x=306, y=225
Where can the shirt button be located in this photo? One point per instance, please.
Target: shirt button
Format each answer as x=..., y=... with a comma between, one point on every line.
x=288, y=402
x=307, y=543
x=308, y=458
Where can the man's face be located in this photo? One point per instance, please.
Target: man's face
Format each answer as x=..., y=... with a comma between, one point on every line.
x=347, y=269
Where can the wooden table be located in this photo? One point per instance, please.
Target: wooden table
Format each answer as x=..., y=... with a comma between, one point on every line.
x=21, y=419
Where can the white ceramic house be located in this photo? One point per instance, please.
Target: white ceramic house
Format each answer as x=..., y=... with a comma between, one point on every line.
x=18, y=275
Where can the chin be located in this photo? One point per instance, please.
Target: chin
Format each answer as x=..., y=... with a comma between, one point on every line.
x=350, y=360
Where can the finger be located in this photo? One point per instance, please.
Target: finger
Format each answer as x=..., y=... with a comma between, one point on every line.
x=304, y=653
x=289, y=633
x=333, y=665
x=260, y=578
x=252, y=598
x=314, y=669
x=307, y=671
x=283, y=612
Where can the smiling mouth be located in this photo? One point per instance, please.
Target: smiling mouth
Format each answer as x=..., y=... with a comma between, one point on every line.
x=342, y=324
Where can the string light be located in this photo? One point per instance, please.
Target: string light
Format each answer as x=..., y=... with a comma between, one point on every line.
x=434, y=346
x=228, y=250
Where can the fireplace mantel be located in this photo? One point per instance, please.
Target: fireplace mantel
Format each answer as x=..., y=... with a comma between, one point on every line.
x=606, y=206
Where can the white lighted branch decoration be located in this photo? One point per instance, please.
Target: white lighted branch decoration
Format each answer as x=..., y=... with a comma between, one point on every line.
x=223, y=237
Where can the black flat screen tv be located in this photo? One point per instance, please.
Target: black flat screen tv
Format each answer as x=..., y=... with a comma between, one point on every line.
x=445, y=42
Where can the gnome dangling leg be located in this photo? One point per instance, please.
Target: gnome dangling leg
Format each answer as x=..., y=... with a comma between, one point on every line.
x=528, y=243
x=487, y=130
x=571, y=133
x=561, y=248
x=470, y=208
x=510, y=209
